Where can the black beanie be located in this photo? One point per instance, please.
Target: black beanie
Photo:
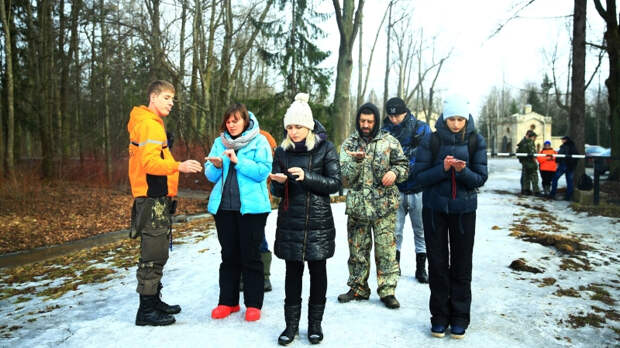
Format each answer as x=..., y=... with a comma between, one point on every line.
x=395, y=106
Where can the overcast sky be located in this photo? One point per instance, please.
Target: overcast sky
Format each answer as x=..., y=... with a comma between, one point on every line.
x=478, y=62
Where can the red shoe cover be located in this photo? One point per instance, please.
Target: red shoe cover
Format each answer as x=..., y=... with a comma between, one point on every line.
x=222, y=311
x=252, y=314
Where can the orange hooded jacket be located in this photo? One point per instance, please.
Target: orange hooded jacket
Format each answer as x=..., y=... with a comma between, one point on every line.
x=547, y=163
x=153, y=172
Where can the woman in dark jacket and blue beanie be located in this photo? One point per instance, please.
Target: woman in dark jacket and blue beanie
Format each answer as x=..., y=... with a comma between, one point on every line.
x=450, y=170
x=306, y=169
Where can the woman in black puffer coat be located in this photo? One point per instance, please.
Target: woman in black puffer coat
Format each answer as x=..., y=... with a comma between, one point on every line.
x=305, y=170
x=451, y=168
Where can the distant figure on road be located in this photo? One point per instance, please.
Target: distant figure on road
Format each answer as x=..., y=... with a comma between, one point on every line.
x=547, y=166
x=566, y=166
x=529, y=166
x=154, y=177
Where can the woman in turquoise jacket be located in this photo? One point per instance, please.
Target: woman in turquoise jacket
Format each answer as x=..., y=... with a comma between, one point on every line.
x=238, y=164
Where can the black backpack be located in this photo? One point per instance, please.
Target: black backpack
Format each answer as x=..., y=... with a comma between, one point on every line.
x=472, y=144
x=585, y=183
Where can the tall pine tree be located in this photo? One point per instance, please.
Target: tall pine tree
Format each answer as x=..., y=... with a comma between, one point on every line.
x=298, y=62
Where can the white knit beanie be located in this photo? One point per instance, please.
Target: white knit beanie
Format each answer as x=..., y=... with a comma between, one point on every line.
x=455, y=105
x=299, y=112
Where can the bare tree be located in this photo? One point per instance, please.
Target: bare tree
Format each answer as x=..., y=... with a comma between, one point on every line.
x=10, y=161
x=348, y=25
x=612, y=41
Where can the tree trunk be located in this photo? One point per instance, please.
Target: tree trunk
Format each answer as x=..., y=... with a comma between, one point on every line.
x=107, y=134
x=348, y=25
x=612, y=38
x=10, y=161
x=578, y=104
x=360, y=65
x=387, y=57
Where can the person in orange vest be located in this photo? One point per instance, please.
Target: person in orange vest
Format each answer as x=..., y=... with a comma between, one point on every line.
x=154, y=177
x=547, y=166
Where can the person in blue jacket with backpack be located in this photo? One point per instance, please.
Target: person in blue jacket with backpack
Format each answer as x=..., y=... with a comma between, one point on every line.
x=451, y=165
x=238, y=164
x=409, y=131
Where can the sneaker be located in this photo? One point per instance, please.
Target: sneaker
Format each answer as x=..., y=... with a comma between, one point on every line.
x=222, y=311
x=252, y=314
x=390, y=302
x=351, y=295
x=457, y=332
x=438, y=330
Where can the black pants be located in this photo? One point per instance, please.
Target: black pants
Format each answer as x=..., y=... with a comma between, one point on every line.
x=546, y=176
x=240, y=237
x=449, y=247
x=318, y=282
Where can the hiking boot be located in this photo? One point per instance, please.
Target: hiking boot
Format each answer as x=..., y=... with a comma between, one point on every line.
x=420, y=268
x=149, y=315
x=457, y=332
x=390, y=302
x=539, y=194
x=315, y=316
x=351, y=295
x=291, y=317
x=438, y=330
x=163, y=306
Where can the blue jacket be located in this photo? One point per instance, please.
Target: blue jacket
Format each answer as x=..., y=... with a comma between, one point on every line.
x=409, y=134
x=437, y=183
x=253, y=167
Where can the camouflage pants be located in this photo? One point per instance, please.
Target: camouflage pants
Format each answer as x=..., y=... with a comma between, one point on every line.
x=153, y=227
x=530, y=177
x=360, y=242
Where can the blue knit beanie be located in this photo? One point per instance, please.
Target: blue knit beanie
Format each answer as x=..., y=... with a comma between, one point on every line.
x=455, y=105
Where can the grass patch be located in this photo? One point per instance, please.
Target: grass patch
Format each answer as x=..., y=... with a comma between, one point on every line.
x=522, y=266
x=603, y=209
x=572, y=265
x=547, y=282
x=570, y=292
x=591, y=319
x=600, y=294
x=610, y=314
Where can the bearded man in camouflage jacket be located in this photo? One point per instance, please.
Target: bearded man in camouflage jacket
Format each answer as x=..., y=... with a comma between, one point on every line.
x=372, y=162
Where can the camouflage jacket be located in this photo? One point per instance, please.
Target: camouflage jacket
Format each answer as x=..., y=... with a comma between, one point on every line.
x=527, y=146
x=367, y=198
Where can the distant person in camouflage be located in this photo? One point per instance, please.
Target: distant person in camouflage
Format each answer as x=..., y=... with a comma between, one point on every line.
x=529, y=166
x=372, y=162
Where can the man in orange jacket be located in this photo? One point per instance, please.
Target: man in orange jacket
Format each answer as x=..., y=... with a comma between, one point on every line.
x=154, y=177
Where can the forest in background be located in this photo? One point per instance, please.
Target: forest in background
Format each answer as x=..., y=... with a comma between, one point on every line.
x=73, y=69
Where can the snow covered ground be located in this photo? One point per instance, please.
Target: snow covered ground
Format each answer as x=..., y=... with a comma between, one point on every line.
x=509, y=308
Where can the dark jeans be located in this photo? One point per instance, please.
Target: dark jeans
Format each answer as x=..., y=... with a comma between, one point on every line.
x=449, y=247
x=563, y=170
x=240, y=237
x=318, y=282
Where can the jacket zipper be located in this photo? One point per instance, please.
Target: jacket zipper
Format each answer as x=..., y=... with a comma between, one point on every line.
x=303, y=254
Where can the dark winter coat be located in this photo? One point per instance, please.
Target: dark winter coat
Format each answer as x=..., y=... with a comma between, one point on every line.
x=439, y=194
x=568, y=148
x=409, y=134
x=305, y=228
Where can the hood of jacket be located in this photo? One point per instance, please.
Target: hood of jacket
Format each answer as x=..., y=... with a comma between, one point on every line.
x=375, y=112
x=252, y=127
x=139, y=114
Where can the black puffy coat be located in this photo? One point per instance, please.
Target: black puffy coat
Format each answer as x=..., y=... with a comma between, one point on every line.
x=306, y=228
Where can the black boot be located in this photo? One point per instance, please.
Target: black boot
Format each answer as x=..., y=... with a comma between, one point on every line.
x=163, y=306
x=420, y=268
x=149, y=315
x=315, y=316
x=291, y=317
x=266, y=257
x=398, y=260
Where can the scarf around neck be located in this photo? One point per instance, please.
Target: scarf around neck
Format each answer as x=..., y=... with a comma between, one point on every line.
x=241, y=140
